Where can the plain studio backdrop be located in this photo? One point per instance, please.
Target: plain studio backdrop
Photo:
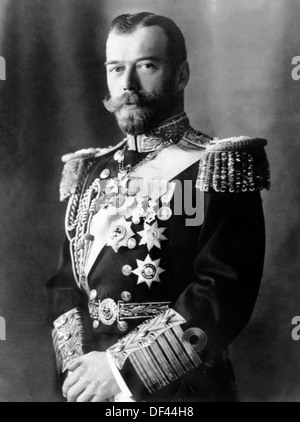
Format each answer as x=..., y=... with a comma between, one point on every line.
x=241, y=63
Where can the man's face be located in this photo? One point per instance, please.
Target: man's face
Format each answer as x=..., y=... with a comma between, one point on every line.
x=141, y=79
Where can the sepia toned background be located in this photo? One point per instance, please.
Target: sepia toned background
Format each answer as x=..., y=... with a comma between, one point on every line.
x=240, y=54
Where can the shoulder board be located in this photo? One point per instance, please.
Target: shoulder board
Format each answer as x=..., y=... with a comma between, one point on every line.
x=77, y=167
x=194, y=139
x=233, y=165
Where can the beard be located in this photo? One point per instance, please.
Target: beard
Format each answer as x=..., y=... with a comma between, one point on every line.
x=137, y=113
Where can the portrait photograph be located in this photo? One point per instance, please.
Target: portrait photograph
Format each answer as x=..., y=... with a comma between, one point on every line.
x=149, y=203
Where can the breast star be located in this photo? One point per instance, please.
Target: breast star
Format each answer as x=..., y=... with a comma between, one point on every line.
x=119, y=234
x=152, y=235
x=148, y=271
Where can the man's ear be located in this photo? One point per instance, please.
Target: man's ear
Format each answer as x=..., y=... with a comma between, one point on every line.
x=182, y=76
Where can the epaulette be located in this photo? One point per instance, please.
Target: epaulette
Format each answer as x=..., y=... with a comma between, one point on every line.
x=233, y=165
x=77, y=166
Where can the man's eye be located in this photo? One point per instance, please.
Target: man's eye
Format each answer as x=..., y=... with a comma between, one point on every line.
x=117, y=69
x=146, y=66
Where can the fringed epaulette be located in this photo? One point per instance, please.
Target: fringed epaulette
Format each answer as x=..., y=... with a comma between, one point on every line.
x=76, y=168
x=234, y=165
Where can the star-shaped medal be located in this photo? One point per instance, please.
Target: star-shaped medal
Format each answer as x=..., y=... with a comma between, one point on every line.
x=119, y=234
x=148, y=271
x=152, y=236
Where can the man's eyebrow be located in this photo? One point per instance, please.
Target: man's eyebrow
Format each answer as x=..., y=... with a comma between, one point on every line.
x=112, y=62
x=152, y=58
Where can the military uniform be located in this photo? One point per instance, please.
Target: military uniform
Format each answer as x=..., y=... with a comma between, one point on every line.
x=162, y=260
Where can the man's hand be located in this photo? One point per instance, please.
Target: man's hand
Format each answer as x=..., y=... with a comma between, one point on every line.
x=90, y=379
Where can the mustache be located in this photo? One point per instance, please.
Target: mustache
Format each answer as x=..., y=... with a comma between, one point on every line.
x=114, y=105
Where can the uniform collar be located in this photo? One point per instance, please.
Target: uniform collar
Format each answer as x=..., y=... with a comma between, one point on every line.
x=171, y=130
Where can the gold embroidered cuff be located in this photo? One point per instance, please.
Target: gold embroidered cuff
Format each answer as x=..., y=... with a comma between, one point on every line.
x=69, y=335
x=158, y=350
x=234, y=165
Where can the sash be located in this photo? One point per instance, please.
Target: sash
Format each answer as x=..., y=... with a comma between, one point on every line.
x=153, y=179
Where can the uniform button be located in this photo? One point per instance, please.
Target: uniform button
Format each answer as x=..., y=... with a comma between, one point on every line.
x=131, y=243
x=126, y=296
x=123, y=326
x=127, y=270
x=105, y=174
x=96, y=324
x=93, y=294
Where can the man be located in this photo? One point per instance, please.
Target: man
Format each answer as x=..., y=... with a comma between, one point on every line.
x=164, y=250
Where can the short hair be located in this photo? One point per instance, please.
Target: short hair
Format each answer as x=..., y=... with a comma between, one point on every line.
x=128, y=23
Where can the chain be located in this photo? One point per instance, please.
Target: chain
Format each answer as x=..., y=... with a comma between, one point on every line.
x=149, y=157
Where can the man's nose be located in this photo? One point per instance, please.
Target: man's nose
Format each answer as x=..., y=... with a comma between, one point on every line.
x=131, y=82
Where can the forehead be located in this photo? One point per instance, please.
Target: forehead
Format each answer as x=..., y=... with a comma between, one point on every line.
x=143, y=42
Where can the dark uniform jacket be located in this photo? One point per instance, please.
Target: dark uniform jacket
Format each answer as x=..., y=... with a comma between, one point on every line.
x=162, y=260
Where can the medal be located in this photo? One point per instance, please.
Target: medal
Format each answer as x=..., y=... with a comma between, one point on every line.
x=130, y=200
x=164, y=213
x=152, y=236
x=148, y=271
x=117, y=201
x=150, y=215
x=138, y=212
